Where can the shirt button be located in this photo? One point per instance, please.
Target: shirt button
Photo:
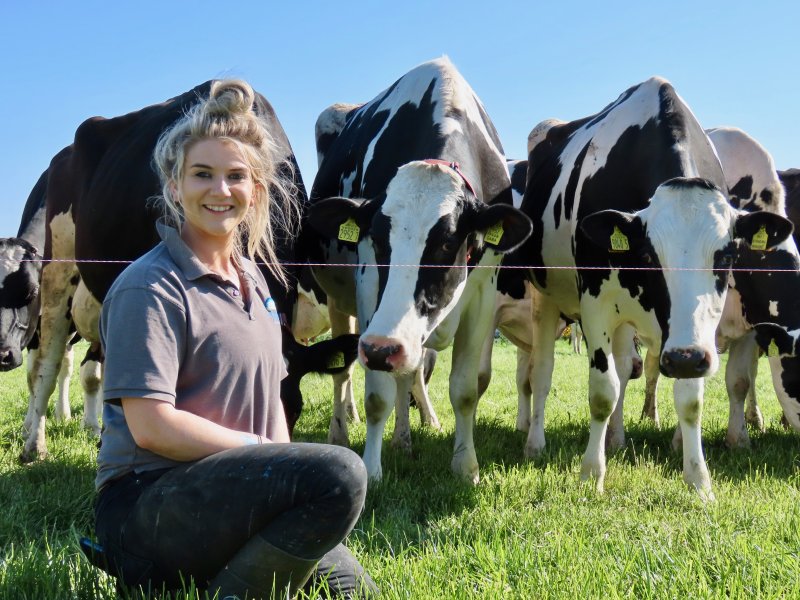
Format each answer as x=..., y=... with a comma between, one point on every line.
x=234, y=292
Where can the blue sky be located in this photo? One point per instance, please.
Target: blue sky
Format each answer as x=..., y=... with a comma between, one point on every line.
x=62, y=62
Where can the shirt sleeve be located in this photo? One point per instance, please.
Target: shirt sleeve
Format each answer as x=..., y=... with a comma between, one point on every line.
x=144, y=337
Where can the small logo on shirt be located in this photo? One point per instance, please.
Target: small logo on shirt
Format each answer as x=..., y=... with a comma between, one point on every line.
x=272, y=310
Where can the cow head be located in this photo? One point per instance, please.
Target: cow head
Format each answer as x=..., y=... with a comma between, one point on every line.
x=19, y=299
x=685, y=241
x=429, y=216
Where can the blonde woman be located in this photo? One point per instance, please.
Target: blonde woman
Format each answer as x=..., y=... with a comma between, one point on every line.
x=196, y=475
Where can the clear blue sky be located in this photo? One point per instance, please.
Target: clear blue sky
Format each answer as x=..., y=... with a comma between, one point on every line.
x=735, y=63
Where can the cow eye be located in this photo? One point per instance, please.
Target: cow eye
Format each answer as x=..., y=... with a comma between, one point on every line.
x=448, y=247
x=647, y=258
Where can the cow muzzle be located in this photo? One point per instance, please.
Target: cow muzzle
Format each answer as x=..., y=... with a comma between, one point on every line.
x=685, y=363
x=382, y=354
x=9, y=359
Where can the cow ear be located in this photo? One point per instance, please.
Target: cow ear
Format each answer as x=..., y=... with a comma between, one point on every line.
x=345, y=219
x=504, y=227
x=775, y=340
x=613, y=230
x=762, y=230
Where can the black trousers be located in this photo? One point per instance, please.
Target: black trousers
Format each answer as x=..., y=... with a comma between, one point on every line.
x=160, y=528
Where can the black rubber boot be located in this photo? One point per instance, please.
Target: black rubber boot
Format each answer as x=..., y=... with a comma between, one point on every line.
x=260, y=571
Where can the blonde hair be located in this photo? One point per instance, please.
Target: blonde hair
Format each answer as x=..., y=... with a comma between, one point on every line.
x=227, y=114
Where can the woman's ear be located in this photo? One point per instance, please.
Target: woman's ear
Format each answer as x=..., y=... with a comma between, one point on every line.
x=173, y=190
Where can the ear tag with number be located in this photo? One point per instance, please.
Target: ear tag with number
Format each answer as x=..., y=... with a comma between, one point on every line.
x=619, y=241
x=494, y=233
x=772, y=349
x=349, y=231
x=760, y=239
x=336, y=361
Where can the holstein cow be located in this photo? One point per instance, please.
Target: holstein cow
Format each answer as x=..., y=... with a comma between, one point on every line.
x=99, y=208
x=631, y=199
x=765, y=286
x=425, y=183
x=513, y=307
x=20, y=271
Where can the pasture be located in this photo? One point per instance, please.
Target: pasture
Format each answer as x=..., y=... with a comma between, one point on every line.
x=529, y=530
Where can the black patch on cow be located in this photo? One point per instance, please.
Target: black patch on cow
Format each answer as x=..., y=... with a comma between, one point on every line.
x=741, y=192
x=723, y=261
x=599, y=361
x=766, y=197
x=762, y=278
x=19, y=288
x=790, y=379
x=444, y=246
x=557, y=211
x=380, y=230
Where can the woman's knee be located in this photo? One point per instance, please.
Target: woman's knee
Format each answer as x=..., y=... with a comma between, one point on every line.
x=347, y=473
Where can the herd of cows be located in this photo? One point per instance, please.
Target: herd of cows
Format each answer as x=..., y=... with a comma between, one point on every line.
x=635, y=222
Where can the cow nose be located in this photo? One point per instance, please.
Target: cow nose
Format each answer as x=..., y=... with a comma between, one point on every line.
x=7, y=361
x=380, y=355
x=685, y=363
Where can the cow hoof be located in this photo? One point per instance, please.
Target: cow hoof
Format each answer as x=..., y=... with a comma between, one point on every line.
x=402, y=442
x=738, y=442
x=755, y=420
x=466, y=469
x=32, y=455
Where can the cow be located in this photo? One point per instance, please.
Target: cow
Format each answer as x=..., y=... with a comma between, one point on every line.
x=632, y=199
x=416, y=176
x=754, y=296
x=20, y=271
x=100, y=216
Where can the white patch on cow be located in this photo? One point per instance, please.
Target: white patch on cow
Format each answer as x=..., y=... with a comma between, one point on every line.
x=732, y=325
x=62, y=232
x=86, y=313
x=416, y=198
x=773, y=308
x=686, y=226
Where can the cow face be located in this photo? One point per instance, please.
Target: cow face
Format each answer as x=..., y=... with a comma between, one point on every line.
x=428, y=217
x=19, y=299
x=685, y=242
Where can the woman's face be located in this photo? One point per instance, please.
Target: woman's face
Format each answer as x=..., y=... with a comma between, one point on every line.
x=216, y=190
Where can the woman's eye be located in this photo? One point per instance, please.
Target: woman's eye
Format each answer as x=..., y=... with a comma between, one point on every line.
x=237, y=176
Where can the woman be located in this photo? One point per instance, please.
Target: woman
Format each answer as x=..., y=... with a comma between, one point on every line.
x=196, y=477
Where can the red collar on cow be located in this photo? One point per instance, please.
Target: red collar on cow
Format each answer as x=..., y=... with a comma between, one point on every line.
x=453, y=165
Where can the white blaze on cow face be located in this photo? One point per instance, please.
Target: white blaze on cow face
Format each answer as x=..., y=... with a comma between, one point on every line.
x=417, y=198
x=688, y=227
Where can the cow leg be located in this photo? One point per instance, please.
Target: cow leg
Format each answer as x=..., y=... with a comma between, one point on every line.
x=63, y=411
x=485, y=368
x=380, y=393
x=342, y=382
x=752, y=413
x=688, y=394
x=786, y=382
x=524, y=390
x=651, y=374
x=419, y=391
x=59, y=281
x=575, y=337
x=624, y=350
x=742, y=353
x=475, y=324
x=604, y=390
x=545, y=315
x=91, y=381
x=401, y=439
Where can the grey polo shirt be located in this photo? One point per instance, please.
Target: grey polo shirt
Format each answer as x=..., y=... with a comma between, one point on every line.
x=174, y=331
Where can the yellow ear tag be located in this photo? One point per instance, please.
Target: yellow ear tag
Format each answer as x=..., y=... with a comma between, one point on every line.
x=336, y=361
x=619, y=241
x=494, y=233
x=772, y=349
x=349, y=231
x=760, y=239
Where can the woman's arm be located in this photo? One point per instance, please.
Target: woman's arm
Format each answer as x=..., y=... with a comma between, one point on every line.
x=161, y=428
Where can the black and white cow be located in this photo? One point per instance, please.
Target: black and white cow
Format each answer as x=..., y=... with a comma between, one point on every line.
x=770, y=292
x=631, y=199
x=99, y=208
x=424, y=182
x=20, y=271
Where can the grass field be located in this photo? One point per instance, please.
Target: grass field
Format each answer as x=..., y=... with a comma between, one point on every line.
x=530, y=529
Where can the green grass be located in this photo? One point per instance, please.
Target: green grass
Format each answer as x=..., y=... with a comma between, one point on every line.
x=530, y=529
